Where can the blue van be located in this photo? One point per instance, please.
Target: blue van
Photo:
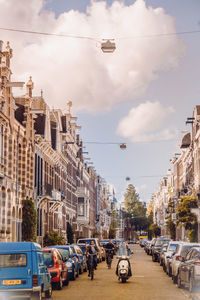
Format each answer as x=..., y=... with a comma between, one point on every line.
x=22, y=271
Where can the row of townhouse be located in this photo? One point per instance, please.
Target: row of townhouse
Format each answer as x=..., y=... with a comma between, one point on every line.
x=41, y=158
x=183, y=180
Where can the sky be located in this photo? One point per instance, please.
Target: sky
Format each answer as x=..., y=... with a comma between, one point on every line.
x=141, y=94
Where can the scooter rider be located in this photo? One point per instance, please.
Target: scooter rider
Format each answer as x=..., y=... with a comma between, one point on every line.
x=109, y=246
x=92, y=249
x=124, y=251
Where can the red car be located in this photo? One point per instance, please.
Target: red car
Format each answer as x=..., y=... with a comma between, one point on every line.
x=56, y=266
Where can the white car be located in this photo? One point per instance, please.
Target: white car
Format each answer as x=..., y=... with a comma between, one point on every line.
x=171, y=249
x=181, y=251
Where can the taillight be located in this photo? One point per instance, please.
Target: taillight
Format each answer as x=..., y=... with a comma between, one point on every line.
x=35, y=280
x=77, y=257
x=177, y=257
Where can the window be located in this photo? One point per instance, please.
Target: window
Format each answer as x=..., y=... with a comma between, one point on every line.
x=13, y=260
x=188, y=255
x=40, y=258
x=48, y=259
x=81, y=208
x=1, y=144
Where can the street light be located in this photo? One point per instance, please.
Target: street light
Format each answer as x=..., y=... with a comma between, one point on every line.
x=122, y=146
x=108, y=46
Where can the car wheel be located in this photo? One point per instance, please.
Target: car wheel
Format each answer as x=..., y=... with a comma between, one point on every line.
x=48, y=293
x=191, y=284
x=77, y=274
x=164, y=268
x=66, y=282
x=161, y=262
x=179, y=281
x=60, y=283
x=74, y=275
x=174, y=279
x=153, y=258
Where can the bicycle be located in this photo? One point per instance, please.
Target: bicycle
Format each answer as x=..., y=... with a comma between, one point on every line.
x=109, y=253
x=91, y=265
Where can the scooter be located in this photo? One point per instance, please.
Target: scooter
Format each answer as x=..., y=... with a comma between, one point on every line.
x=123, y=270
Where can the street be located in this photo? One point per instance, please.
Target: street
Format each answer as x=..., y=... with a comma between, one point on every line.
x=148, y=282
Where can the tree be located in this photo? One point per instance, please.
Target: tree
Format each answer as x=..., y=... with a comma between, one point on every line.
x=29, y=221
x=150, y=221
x=186, y=217
x=171, y=226
x=70, y=233
x=135, y=210
x=131, y=197
x=156, y=230
x=53, y=238
x=112, y=232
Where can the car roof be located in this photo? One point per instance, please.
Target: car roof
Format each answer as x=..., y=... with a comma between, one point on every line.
x=47, y=249
x=196, y=248
x=19, y=246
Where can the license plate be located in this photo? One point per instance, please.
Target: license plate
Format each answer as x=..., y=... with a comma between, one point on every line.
x=11, y=282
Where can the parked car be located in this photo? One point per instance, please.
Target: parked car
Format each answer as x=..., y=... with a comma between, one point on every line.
x=156, y=249
x=79, y=254
x=103, y=253
x=103, y=242
x=23, y=272
x=189, y=269
x=57, y=268
x=146, y=246
x=181, y=252
x=84, y=250
x=151, y=245
x=73, y=266
x=162, y=252
x=171, y=249
x=68, y=261
x=97, y=244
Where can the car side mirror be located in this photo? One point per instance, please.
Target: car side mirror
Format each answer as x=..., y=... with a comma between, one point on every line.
x=181, y=259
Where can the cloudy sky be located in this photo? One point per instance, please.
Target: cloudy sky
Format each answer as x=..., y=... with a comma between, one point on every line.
x=141, y=94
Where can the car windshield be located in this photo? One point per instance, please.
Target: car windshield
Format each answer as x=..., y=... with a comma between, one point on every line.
x=160, y=242
x=13, y=260
x=83, y=248
x=86, y=241
x=48, y=259
x=172, y=247
x=64, y=253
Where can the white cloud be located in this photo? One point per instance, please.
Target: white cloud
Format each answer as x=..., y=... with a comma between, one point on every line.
x=144, y=123
x=77, y=70
x=141, y=188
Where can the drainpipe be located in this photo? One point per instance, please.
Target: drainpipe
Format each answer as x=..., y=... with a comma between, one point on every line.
x=16, y=195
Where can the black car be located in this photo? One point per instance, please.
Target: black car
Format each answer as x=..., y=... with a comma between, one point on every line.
x=156, y=249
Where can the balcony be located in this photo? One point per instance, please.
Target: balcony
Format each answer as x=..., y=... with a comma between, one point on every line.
x=82, y=192
x=83, y=220
x=56, y=195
